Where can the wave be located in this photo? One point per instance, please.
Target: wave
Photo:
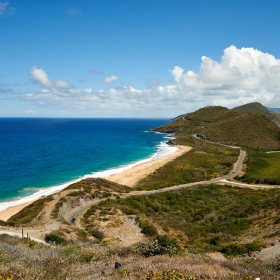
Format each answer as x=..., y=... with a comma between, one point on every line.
x=163, y=150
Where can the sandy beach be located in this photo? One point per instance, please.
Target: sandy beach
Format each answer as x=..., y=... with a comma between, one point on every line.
x=6, y=214
x=128, y=177
x=131, y=176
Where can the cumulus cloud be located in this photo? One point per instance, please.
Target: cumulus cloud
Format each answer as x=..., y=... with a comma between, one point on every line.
x=5, y=10
x=109, y=79
x=241, y=76
x=38, y=75
x=74, y=12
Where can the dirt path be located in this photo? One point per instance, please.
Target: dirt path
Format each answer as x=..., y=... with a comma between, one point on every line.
x=269, y=253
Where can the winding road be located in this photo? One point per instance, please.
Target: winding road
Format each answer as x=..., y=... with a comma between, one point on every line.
x=73, y=215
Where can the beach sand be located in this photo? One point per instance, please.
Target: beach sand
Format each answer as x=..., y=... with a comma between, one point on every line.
x=6, y=214
x=128, y=177
x=133, y=175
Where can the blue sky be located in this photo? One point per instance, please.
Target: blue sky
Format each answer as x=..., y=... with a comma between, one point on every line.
x=148, y=58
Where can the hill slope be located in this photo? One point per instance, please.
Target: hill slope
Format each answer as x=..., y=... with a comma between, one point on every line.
x=232, y=127
x=258, y=108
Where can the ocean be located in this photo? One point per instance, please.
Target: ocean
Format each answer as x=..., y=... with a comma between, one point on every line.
x=40, y=156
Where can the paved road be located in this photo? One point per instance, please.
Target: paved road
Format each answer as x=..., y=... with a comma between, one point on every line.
x=20, y=236
x=72, y=216
x=269, y=253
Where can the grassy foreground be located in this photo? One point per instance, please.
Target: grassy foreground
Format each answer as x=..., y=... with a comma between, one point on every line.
x=29, y=261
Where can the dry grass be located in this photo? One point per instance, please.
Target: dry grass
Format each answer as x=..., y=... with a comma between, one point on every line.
x=23, y=261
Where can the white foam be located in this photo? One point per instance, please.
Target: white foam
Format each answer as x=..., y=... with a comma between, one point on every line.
x=163, y=150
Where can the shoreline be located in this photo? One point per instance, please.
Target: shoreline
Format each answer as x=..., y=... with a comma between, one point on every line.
x=133, y=175
x=128, y=175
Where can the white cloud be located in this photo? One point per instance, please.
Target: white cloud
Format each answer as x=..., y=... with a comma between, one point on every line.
x=109, y=79
x=241, y=76
x=39, y=75
x=74, y=12
x=5, y=10
x=29, y=112
x=62, y=84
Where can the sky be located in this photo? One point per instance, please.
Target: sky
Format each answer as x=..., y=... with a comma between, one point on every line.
x=136, y=59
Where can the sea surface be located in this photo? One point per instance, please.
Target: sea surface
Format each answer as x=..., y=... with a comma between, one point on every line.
x=39, y=156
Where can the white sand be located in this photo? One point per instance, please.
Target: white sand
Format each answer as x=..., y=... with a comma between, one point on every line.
x=127, y=177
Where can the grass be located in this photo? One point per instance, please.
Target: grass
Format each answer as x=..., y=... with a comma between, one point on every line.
x=262, y=168
x=20, y=261
x=89, y=189
x=30, y=212
x=204, y=218
x=228, y=126
x=204, y=162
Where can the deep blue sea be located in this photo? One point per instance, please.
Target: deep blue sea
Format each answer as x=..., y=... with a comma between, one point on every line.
x=39, y=154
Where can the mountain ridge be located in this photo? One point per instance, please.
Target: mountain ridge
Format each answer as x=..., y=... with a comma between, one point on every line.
x=253, y=128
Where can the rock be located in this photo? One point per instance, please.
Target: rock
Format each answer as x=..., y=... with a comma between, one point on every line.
x=118, y=265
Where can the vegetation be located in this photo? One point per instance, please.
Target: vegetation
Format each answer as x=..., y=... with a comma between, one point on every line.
x=203, y=219
x=89, y=189
x=159, y=245
x=146, y=228
x=235, y=249
x=204, y=162
x=262, y=168
x=55, y=239
x=91, y=185
x=30, y=212
x=20, y=261
x=227, y=126
x=258, y=108
x=97, y=234
x=208, y=217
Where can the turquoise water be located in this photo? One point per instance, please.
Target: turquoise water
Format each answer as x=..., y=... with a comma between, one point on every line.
x=37, y=154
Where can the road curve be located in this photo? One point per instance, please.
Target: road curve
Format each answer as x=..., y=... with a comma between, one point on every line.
x=74, y=214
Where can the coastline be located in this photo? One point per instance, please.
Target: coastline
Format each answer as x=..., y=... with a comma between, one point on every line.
x=133, y=175
x=128, y=175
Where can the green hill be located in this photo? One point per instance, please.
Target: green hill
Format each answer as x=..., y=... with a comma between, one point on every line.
x=258, y=108
x=233, y=127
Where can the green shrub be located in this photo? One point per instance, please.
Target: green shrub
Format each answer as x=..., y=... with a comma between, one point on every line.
x=147, y=229
x=97, y=234
x=215, y=241
x=159, y=245
x=53, y=238
x=240, y=249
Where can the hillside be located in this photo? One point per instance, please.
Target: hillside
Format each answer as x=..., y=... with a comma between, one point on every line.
x=258, y=108
x=232, y=127
x=199, y=232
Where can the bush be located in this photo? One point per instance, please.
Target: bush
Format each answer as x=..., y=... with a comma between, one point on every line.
x=215, y=241
x=147, y=229
x=159, y=245
x=53, y=238
x=240, y=249
x=97, y=234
